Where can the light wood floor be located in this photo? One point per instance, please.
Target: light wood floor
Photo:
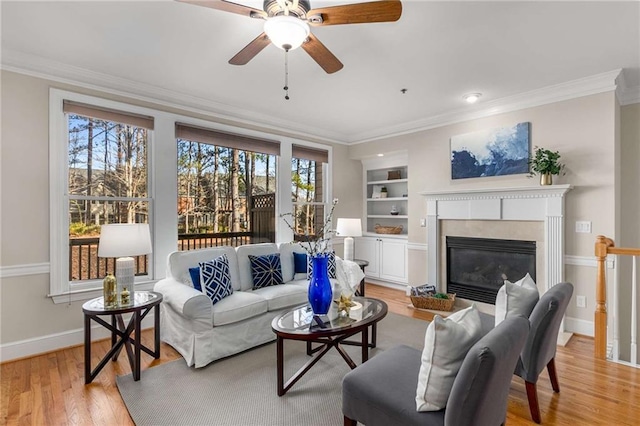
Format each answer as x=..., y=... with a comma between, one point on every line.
x=49, y=389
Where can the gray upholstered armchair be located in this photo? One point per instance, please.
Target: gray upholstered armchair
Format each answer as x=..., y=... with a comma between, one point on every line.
x=540, y=348
x=382, y=391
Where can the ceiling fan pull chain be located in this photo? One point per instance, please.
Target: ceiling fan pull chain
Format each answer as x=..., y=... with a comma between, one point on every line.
x=286, y=74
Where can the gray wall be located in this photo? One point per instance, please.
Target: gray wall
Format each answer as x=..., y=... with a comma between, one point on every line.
x=25, y=310
x=582, y=129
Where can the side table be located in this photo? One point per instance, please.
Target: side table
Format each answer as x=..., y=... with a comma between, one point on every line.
x=362, y=264
x=143, y=302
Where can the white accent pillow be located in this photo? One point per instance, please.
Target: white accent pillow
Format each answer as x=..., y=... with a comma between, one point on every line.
x=517, y=298
x=446, y=343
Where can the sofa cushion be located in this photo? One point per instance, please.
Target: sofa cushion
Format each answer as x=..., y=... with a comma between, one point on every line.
x=265, y=270
x=287, y=253
x=282, y=296
x=446, y=343
x=331, y=265
x=179, y=262
x=215, y=278
x=244, y=265
x=239, y=306
x=517, y=298
x=195, y=278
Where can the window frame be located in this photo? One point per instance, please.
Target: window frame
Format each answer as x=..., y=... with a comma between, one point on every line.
x=61, y=289
x=325, y=201
x=162, y=173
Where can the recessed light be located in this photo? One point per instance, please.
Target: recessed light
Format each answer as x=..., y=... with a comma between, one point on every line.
x=380, y=155
x=472, y=98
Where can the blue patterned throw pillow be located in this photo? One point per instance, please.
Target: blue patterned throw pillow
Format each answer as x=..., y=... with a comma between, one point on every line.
x=215, y=278
x=331, y=265
x=266, y=270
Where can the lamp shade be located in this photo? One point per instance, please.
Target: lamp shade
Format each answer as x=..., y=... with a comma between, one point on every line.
x=348, y=227
x=286, y=32
x=124, y=240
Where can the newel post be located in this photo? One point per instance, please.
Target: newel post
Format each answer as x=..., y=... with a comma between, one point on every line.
x=600, y=316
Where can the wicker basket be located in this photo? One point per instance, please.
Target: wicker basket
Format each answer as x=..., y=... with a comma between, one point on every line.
x=434, y=303
x=387, y=229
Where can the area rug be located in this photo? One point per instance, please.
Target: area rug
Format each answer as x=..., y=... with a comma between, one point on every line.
x=241, y=390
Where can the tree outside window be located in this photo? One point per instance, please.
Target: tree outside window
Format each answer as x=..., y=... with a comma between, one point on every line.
x=307, y=197
x=226, y=196
x=107, y=183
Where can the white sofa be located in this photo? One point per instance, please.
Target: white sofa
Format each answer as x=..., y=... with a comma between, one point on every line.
x=203, y=332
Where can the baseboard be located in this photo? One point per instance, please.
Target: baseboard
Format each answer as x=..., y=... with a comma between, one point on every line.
x=52, y=342
x=395, y=286
x=579, y=326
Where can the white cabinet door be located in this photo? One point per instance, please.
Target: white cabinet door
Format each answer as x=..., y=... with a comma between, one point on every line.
x=393, y=260
x=367, y=249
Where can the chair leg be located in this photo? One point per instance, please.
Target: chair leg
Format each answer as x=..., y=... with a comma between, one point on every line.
x=532, y=395
x=349, y=422
x=551, y=368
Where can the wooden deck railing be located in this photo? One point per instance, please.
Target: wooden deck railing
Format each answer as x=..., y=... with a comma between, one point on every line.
x=604, y=247
x=84, y=263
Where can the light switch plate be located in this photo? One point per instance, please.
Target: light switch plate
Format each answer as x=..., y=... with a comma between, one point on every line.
x=423, y=222
x=583, y=226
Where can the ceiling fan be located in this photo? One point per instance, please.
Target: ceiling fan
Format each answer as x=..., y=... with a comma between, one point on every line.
x=287, y=24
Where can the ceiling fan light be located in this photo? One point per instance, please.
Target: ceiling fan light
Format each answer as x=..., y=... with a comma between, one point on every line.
x=286, y=32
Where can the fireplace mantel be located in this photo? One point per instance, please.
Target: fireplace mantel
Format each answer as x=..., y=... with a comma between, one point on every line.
x=539, y=203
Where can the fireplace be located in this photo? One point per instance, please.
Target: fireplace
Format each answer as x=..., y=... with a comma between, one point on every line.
x=477, y=267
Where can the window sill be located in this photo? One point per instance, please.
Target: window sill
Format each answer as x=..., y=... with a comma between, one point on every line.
x=83, y=295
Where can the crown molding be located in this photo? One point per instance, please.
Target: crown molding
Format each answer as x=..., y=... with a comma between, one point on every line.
x=626, y=94
x=592, y=85
x=36, y=66
x=39, y=67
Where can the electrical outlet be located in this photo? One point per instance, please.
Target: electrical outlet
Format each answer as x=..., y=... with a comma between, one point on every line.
x=581, y=301
x=583, y=226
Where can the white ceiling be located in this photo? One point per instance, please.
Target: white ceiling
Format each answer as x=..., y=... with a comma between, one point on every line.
x=437, y=50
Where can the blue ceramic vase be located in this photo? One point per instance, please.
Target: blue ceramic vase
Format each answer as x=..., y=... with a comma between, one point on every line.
x=320, y=292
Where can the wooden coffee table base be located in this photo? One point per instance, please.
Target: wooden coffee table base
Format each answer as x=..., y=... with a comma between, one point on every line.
x=326, y=344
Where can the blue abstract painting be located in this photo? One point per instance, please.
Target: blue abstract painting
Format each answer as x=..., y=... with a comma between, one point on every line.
x=494, y=152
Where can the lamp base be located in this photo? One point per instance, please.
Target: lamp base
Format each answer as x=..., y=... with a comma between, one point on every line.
x=125, y=272
x=348, y=248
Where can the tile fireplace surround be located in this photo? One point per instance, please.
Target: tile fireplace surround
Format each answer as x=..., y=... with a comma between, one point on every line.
x=540, y=203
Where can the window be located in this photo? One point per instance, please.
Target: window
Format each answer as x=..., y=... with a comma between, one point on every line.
x=105, y=171
x=113, y=162
x=307, y=194
x=226, y=188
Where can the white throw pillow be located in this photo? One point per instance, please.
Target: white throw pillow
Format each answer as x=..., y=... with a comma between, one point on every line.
x=446, y=343
x=517, y=298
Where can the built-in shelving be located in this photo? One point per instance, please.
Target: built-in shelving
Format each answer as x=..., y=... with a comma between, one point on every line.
x=386, y=253
x=390, y=173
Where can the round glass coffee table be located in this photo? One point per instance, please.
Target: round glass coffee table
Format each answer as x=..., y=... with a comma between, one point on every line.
x=330, y=331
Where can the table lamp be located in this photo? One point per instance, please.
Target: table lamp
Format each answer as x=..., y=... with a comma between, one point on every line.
x=122, y=241
x=349, y=228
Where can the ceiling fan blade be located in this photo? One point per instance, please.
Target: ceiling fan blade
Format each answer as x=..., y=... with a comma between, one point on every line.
x=322, y=55
x=357, y=13
x=227, y=6
x=250, y=50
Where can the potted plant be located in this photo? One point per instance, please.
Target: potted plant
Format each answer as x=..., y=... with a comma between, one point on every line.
x=383, y=192
x=545, y=163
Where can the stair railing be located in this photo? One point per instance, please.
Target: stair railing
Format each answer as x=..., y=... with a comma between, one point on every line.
x=605, y=246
